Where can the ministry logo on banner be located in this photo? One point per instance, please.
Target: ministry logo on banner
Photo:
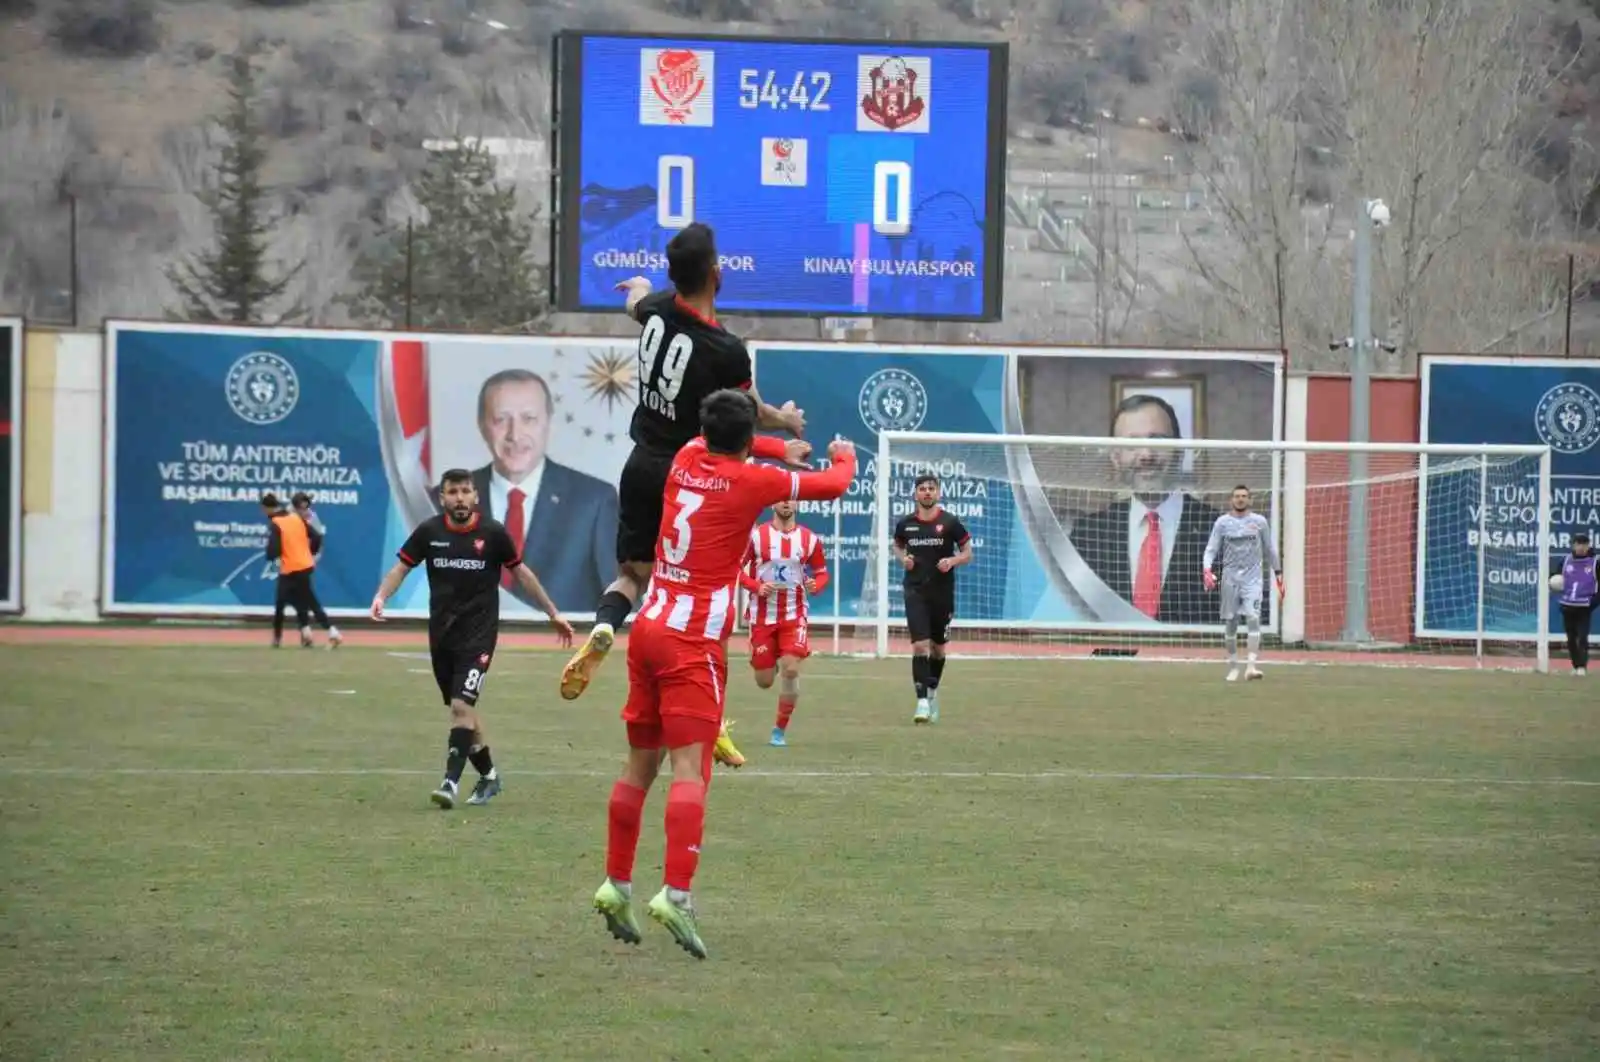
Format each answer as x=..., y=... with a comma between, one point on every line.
x=263, y=388
x=892, y=400
x=1567, y=418
x=676, y=86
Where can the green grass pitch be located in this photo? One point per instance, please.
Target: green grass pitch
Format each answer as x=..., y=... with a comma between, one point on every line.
x=228, y=853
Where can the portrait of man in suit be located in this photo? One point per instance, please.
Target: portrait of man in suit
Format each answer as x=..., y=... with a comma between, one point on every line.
x=565, y=521
x=1147, y=546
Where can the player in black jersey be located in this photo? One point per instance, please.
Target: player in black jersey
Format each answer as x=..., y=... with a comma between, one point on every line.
x=684, y=356
x=464, y=551
x=930, y=545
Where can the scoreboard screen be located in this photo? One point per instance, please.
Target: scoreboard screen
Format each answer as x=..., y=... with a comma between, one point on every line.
x=841, y=178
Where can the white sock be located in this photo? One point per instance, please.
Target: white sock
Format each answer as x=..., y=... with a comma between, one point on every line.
x=678, y=896
x=624, y=887
x=1252, y=642
x=305, y=632
x=333, y=632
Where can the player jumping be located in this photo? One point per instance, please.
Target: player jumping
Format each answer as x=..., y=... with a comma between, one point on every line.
x=684, y=356
x=784, y=566
x=1245, y=541
x=464, y=552
x=677, y=654
x=930, y=545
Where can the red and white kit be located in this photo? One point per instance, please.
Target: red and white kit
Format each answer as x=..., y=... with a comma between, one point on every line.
x=677, y=660
x=783, y=560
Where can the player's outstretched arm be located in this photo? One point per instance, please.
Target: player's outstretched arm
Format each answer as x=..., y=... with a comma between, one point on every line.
x=534, y=589
x=786, y=417
x=828, y=484
x=637, y=288
x=387, y=587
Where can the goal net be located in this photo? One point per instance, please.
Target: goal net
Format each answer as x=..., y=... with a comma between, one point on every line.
x=1391, y=553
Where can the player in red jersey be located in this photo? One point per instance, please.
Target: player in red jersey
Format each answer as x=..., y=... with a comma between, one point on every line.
x=677, y=654
x=784, y=566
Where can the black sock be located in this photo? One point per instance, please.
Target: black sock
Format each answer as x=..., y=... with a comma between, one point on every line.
x=935, y=669
x=482, y=762
x=919, y=675
x=613, y=608
x=456, y=759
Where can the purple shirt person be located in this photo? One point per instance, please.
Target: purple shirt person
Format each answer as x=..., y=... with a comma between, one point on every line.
x=1579, y=598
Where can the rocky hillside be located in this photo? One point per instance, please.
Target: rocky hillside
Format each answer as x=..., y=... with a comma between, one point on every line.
x=109, y=99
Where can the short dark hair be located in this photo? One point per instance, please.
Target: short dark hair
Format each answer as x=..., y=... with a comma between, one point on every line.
x=300, y=498
x=1242, y=487
x=454, y=475
x=926, y=477
x=270, y=500
x=691, y=255
x=1581, y=538
x=511, y=376
x=1134, y=403
x=728, y=420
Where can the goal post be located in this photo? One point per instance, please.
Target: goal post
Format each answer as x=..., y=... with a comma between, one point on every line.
x=1090, y=546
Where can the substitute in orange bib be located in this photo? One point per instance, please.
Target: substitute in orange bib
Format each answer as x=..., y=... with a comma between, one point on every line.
x=294, y=544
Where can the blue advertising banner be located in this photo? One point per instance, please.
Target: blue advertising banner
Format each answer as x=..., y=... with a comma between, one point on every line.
x=201, y=424
x=1505, y=401
x=856, y=392
x=202, y=421
x=1051, y=528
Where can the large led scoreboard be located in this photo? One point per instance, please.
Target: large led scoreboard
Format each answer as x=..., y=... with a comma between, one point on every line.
x=862, y=177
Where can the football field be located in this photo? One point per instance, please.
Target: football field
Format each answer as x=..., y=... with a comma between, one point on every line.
x=224, y=852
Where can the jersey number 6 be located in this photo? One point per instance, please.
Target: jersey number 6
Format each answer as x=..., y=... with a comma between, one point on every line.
x=661, y=372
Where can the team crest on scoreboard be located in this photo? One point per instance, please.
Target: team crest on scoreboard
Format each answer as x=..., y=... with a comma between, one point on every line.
x=676, y=86
x=1568, y=418
x=895, y=93
x=783, y=161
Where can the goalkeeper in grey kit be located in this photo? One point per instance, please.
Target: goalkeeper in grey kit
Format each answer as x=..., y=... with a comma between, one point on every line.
x=1244, y=541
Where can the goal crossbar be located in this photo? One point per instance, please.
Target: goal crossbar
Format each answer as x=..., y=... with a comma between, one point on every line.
x=900, y=452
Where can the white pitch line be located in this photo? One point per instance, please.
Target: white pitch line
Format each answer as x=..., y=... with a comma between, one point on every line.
x=843, y=774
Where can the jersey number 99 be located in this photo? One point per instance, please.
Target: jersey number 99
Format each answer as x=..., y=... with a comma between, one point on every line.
x=661, y=371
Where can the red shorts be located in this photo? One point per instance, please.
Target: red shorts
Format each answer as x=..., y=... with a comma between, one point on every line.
x=771, y=642
x=676, y=686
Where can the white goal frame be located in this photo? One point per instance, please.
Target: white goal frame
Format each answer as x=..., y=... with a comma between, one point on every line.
x=1289, y=483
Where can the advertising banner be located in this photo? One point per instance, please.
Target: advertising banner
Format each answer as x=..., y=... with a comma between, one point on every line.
x=1504, y=401
x=202, y=421
x=10, y=464
x=1055, y=541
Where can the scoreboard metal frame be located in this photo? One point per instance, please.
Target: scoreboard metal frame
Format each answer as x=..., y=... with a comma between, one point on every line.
x=566, y=171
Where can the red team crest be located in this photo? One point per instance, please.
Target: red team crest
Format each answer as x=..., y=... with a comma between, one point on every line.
x=477, y=544
x=891, y=100
x=677, y=83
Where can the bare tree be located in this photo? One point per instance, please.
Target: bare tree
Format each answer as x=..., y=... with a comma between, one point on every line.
x=1427, y=104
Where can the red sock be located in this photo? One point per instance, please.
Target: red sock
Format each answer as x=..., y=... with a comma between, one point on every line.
x=785, y=711
x=686, y=823
x=622, y=832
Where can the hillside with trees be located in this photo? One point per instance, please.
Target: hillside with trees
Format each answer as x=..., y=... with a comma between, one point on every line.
x=1472, y=118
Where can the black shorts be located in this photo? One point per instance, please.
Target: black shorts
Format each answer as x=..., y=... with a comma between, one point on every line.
x=640, y=498
x=928, y=616
x=460, y=665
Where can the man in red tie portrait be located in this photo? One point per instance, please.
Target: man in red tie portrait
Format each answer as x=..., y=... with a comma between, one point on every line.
x=563, y=520
x=1149, y=546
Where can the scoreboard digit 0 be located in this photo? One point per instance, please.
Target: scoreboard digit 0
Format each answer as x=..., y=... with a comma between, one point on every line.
x=841, y=177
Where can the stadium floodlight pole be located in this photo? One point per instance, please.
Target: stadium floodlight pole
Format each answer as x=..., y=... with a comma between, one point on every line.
x=1373, y=213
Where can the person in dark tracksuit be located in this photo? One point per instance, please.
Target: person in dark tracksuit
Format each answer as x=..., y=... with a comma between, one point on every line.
x=294, y=543
x=1579, y=597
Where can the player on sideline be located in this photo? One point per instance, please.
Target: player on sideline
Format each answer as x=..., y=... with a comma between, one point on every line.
x=784, y=566
x=464, y=552
x=684, y=356
x=1244, y=541
x=930, y=545
x=677, y=654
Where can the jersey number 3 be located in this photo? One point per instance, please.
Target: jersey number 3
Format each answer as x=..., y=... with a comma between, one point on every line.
x=676, y=548
x=661, y=371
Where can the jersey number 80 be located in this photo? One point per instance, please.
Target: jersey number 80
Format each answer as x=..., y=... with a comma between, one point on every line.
x=661, y=371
